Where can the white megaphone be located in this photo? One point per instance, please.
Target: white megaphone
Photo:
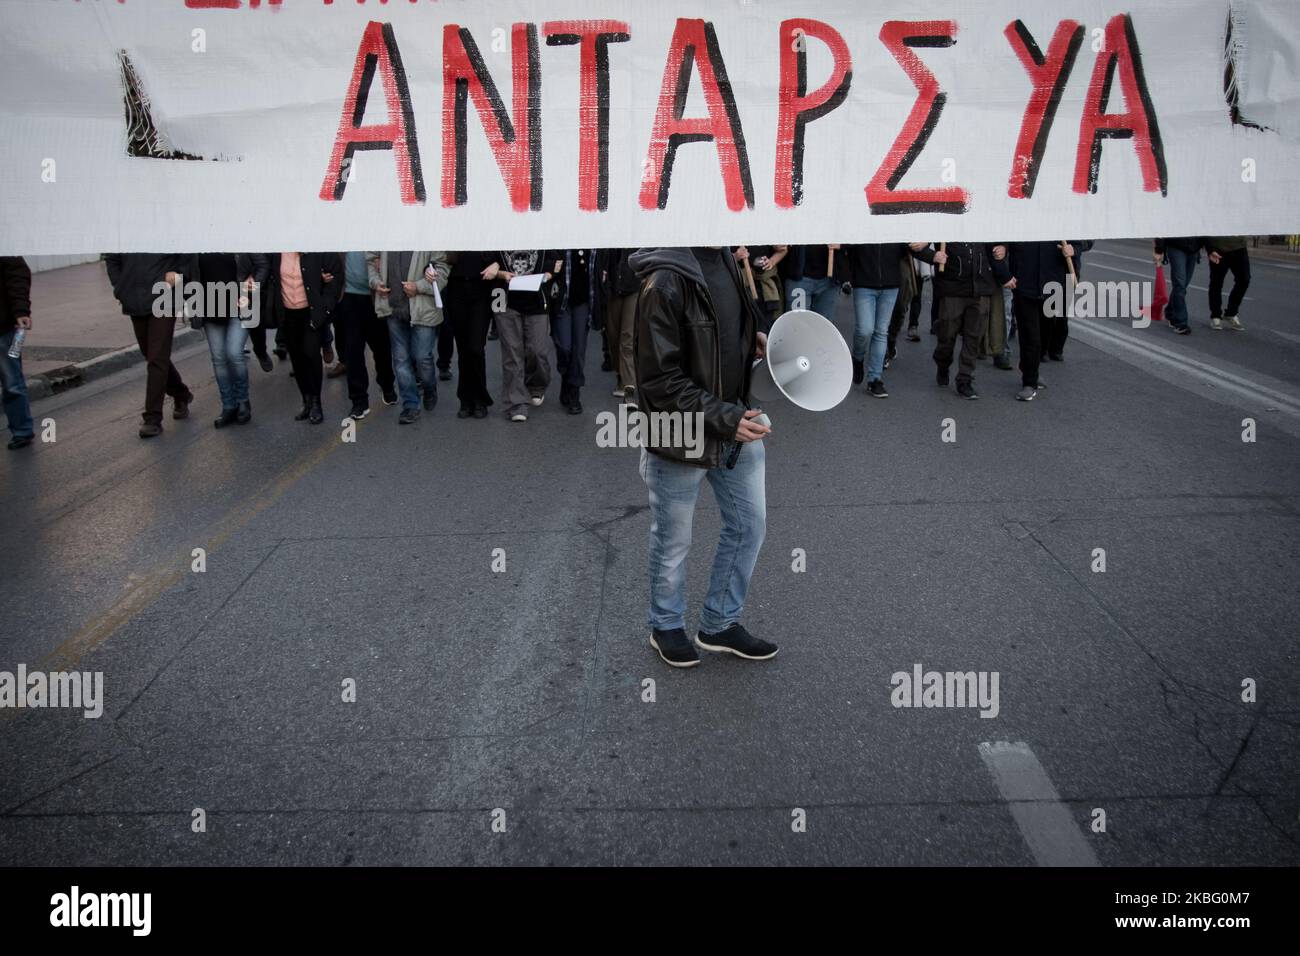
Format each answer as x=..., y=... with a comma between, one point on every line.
x=808, y=363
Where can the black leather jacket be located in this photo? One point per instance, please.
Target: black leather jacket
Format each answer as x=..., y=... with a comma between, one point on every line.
x=678, y=361
x=971, y=270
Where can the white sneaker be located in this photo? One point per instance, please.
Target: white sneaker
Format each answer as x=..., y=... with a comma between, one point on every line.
x=1216, y=325
x=537, y=400
x=1234, y=323
x=519, y=417
x=620, y=392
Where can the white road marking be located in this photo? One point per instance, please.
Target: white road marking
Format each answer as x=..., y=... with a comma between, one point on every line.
x=1254, y=260
x=1150, y=276
x=1125, y=346
x=1047, y=826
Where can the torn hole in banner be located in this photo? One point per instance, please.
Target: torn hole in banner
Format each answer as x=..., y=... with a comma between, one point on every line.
x=1260, y=81
x=143, y=137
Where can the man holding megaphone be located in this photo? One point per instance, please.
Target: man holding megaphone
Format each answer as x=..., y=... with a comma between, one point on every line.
x=698, y=331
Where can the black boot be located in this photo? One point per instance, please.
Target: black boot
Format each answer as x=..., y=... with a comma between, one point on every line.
x=305, y=414
x=244, y=413
x=575, y=403
x=316, y=414
x=228, y=416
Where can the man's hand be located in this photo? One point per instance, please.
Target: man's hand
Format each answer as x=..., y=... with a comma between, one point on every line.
x=430, y=274
x=940, y=258
x=762, y=263
x=760, y=348
x=382, y=289
x=327, y=277
x=741, y=253
x=999, y=253
x=410, y=289
x=491, y=272
x=25, y=322
x=917, y=246
x=172, y=278
x=750, y=430
x=1215, y=258
x=1011, y=284
x=1067, y=250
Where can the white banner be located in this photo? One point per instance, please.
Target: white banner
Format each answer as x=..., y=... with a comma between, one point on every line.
x=220, y=125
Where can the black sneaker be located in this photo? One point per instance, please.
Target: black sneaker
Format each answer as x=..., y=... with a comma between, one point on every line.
x=912, y=334
x=859, y=371
x=674, y=647
x=390, y=398
x=1183, y=329
x=359, y=411
x=942, y=378
x=151, y=429
x=890, y=355
x=181, y=408
x=465, y=411
x=1003, y=362
x=876, y=389
x=16, y=443
x=430, y=401
x=264, y=360
x=967, y=391
x=408, y=416
x=736, y=640
x=444, y=375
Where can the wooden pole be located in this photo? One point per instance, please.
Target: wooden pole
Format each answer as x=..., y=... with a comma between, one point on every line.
x=749, y=279
x=943, y=247
x=830, y=263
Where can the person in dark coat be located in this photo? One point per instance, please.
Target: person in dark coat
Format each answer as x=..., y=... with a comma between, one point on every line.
x=15, y=314
x=148, y=286
x=307, y=289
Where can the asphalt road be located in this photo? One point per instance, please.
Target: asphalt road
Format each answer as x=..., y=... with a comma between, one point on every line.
x=522, y=691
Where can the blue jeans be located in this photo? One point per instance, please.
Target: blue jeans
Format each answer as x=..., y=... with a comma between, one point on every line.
x=872, y=310
x=13, y=389
x=742, y=500
x=413, y=361
x=1181, y=267
x=570, y=333
x=816, y=295
x=229, y=367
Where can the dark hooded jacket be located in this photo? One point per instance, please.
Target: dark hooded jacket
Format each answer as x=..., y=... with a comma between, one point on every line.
x=676, y=350
x=1036, y=265
x=15, y=292
x=135, y=277
x=971, y=270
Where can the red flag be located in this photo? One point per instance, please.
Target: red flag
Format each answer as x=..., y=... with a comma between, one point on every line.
x=1160, y=298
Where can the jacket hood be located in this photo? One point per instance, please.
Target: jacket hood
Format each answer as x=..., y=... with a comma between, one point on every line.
x=679, y=260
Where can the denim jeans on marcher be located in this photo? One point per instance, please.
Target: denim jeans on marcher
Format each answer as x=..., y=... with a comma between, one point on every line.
x=815, y=295
x=1182, y=265
x=13, y=389
x=414, y=364
x=742, y=501
x=872, y=310
x=229, y=366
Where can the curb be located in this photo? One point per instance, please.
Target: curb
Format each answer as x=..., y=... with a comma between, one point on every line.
x=1274, y=253
x=79, y=373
